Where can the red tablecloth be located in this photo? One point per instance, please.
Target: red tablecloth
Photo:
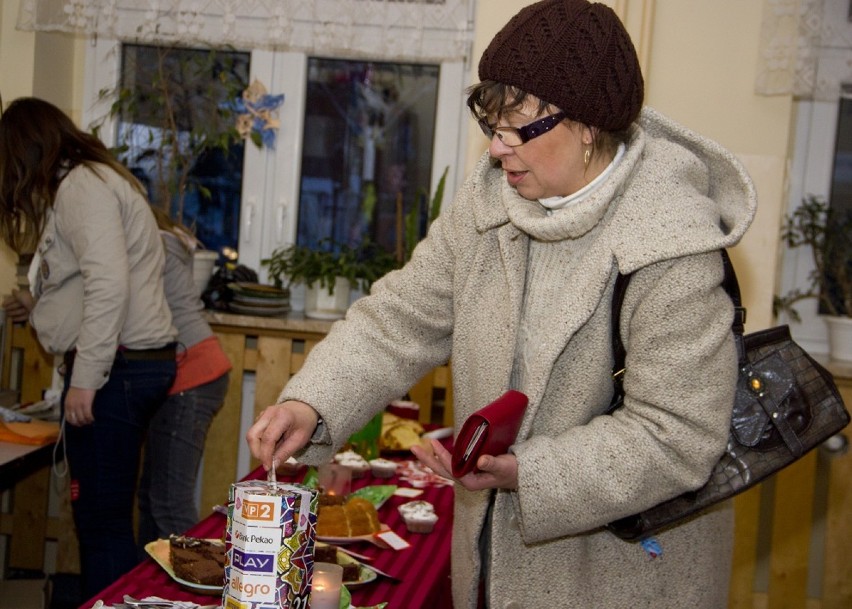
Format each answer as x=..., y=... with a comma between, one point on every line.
x=424, y=567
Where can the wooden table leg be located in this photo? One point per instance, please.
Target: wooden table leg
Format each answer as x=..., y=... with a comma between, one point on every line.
x=29, y=512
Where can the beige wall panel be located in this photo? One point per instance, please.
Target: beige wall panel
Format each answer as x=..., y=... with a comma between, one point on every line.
x=17, y=58
x=17, y=55
x=491, y=15
x=702, y=72
x=756, y=257
x=791, y=534
x=273, y=372
x=56, y=73
x=47, y=65
x=744, y=563
x=219, y=468
x=837, y=573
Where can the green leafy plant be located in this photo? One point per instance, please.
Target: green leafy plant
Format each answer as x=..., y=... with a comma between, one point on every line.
x=828, y=234
x=412, y=219
x=361, y=265
x=177, y=104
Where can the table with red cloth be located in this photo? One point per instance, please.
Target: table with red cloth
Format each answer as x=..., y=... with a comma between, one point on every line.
x=424, y=567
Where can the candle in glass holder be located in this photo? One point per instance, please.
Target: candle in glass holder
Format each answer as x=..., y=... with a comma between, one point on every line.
x=334, y=479
x=325, y=586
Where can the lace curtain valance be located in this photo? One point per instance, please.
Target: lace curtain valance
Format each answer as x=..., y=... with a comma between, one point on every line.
x=421, y=30
x=805, y=48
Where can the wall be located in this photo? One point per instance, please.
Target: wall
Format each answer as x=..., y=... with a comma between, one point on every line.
x=46, y=65
x=701, y=68
x=700, y=72
x=16, y=76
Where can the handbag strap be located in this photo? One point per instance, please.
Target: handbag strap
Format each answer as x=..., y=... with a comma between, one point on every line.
x=732, y=287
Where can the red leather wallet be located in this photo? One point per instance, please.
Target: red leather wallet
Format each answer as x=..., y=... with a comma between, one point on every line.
x=491, y=430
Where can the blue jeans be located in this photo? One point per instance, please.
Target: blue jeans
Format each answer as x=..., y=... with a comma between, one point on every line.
x=103, y=459
x=173, y=453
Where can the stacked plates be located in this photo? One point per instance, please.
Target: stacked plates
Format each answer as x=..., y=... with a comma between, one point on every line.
x=258, y=299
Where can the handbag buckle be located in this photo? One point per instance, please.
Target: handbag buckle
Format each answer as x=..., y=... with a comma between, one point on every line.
x=755, y=383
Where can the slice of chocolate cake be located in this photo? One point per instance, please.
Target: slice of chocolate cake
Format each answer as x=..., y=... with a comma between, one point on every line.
x=324, y=553
x=351, y=567
x=199, y=561
x=351, y=571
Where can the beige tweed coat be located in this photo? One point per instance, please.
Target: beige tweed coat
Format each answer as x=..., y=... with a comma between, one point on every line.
x=515, y=295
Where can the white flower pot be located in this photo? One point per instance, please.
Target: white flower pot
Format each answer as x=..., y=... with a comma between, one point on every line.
x=319, y=304
x=839, y=338
x=203, y=263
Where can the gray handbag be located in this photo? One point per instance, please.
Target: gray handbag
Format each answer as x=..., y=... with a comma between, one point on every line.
x=785, y=405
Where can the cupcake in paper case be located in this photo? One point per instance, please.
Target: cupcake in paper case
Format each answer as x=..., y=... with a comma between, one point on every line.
x=419, y=516
x=404, y=409
x=355, y=462
x=383, y=468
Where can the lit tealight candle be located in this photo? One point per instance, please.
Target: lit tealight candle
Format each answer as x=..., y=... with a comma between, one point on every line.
x=334, y=479
x=325, y=586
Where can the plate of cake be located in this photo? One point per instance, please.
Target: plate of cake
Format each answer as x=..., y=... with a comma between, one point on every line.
x=399, y=434
x=355, y=573
x=369, y=537
x=346, y=520
x=193, y=562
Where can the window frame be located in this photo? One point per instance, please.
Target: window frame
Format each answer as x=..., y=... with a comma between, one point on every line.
x=810, y=173
x=271, y=178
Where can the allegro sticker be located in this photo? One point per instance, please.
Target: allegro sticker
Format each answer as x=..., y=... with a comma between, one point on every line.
x=254, y=588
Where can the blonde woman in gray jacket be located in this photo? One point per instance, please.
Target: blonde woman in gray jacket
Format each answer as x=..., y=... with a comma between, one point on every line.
x=514, y=282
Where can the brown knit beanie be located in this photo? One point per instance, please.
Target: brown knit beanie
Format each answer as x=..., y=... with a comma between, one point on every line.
x=573, y=54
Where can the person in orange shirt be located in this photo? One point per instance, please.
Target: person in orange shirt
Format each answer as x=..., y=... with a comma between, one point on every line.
x=178, y=431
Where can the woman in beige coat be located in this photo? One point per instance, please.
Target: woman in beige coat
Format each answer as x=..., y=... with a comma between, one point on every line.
x=514, y=282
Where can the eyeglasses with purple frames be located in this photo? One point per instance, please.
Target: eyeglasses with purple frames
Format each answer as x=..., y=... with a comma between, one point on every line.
x=512, y=136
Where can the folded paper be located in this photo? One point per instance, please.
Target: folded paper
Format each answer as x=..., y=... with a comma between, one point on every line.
x=34, y=433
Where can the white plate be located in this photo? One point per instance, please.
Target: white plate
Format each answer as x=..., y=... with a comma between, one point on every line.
x=159, y=551
x=365, y=576
x=438, y=434
x=339, y=541
x=324, y=314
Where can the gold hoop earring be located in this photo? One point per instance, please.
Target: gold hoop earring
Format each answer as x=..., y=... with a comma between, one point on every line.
x=587, y=157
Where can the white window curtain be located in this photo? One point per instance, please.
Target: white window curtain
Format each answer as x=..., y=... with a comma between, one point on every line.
x=805, y=48
x=416, y=30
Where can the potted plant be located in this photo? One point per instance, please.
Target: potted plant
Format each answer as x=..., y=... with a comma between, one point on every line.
x=175, y=112
x=328, y=272
x=828, y=233
x=176, y=117
x=409, y=227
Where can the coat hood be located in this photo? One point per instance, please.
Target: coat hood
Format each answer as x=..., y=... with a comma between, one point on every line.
x=690, y=196
x=674, y=193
